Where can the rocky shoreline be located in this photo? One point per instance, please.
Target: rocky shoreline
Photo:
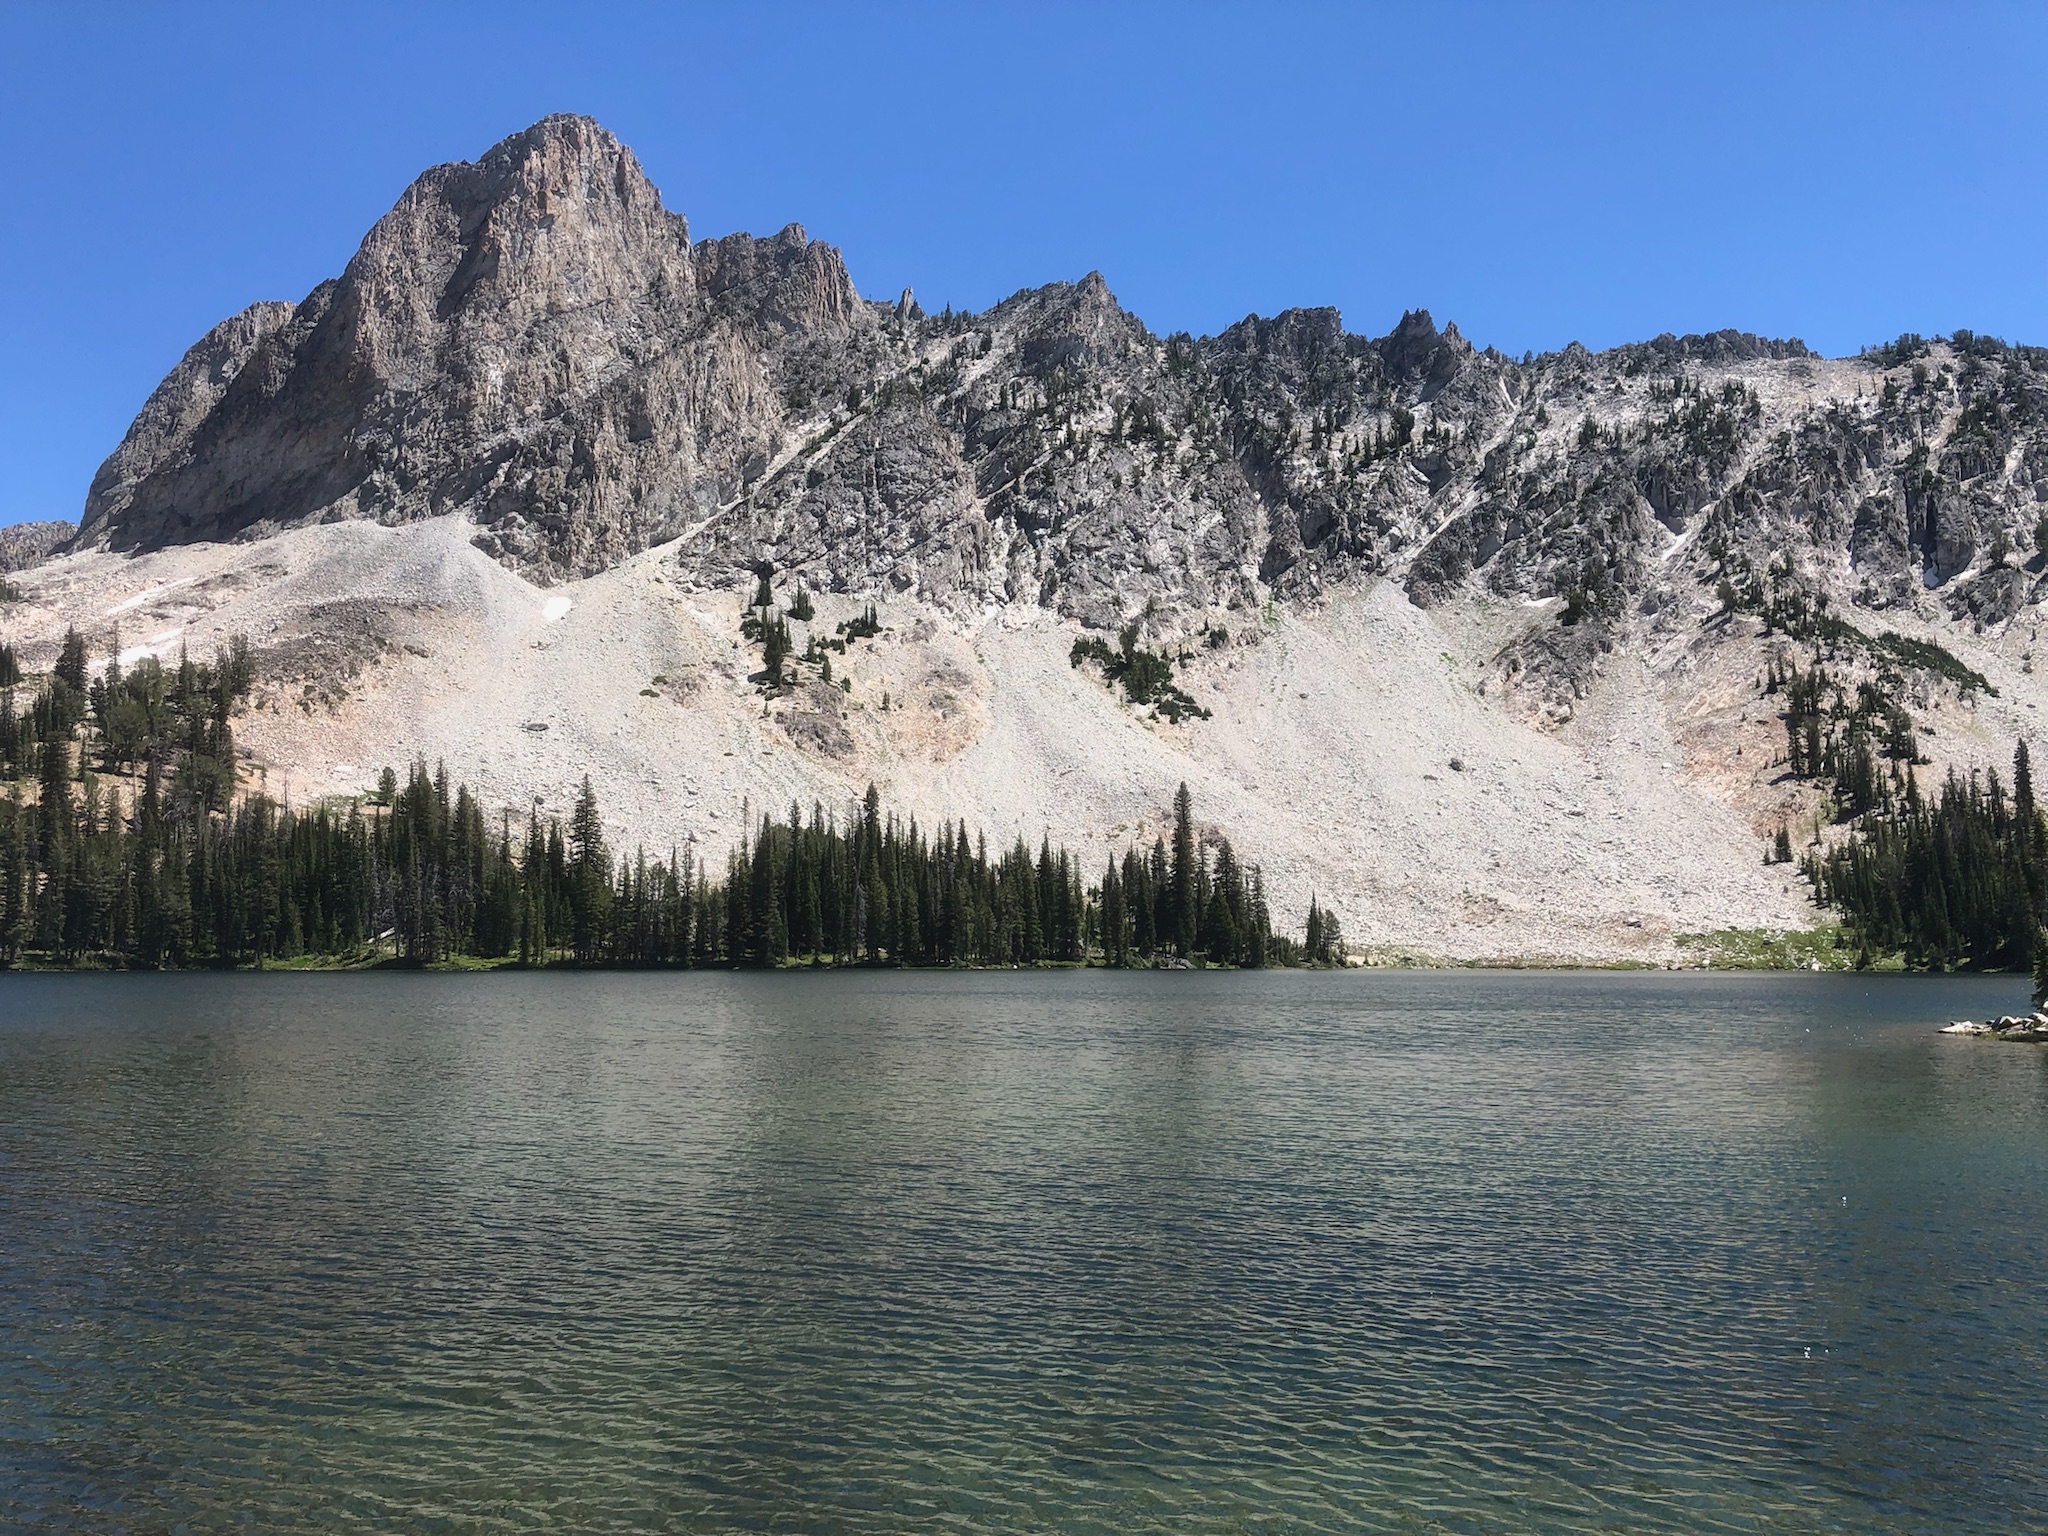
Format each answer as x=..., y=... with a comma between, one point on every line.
x=2030, y=1027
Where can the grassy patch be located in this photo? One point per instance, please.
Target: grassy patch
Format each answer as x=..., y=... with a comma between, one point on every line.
x=1781, y=949
x=382, y=960
x=1904, y=651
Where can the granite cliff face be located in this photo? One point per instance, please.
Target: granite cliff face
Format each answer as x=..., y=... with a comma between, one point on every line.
x=533, y=342
x=25, y=544
x=529, y=340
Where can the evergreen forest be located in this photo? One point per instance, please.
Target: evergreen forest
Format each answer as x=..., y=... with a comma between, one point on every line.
x=1951, y=880
x=1956, y=880
x=125, y=840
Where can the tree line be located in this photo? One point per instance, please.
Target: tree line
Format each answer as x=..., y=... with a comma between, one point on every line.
x=124, y=840
x=1953, y=881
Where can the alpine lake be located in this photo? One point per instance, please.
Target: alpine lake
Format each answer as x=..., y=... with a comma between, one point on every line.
x=1073, y=1251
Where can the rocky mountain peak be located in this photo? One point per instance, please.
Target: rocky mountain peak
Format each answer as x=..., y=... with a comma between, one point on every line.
x=1299, y=333
x=560, y=164
x=1093, y=290
x=1412, y=344
x=502, y=323
x=532, y=343
x=787, y=283
x=1077, y=325
x=551, y=223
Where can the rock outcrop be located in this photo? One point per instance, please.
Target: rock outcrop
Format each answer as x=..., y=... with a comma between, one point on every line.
x=25, y=544
x=532, y=342
x=526, y=340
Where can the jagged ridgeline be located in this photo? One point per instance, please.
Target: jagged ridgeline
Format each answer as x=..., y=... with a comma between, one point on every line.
x=124, y=841
x=737, y=396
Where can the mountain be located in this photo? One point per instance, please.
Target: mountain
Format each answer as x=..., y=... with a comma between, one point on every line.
x=26, y=544
x=518, y=465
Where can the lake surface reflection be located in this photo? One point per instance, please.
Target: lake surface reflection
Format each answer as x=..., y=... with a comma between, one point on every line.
x=1075, y=1251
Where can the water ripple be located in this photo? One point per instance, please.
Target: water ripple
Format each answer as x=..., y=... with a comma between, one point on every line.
x=1290, y=1253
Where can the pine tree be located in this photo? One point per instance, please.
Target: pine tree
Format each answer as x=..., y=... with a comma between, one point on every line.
x=14, y=878
x=1219, y=930
x=1331, y=950
x=1115, y=941
x=1138, y=897
x=589, y=876
x=775, y=646
x=1185, y=861
x=1261, y=921
x=2024, y=813
x=71, y=662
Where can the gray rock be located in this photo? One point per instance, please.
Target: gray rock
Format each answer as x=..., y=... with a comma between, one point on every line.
x=23, y=545
x=525, y=340
x=533, y=342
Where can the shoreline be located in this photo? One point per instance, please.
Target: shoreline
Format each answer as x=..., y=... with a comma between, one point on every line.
x=1722, y=962
x=2022, y=1028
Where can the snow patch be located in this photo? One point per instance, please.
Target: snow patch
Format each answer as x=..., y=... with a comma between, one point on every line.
x=144, y=596
x=155, y=648
x=554, y=608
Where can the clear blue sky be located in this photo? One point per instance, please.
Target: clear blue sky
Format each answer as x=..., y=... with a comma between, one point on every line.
x=1537, y=173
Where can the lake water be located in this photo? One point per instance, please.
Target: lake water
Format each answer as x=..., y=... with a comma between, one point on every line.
x=1007, y=1252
